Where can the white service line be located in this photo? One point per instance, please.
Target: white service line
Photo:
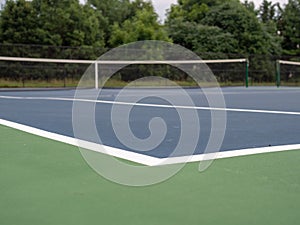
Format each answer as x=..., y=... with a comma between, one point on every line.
x=154, y=105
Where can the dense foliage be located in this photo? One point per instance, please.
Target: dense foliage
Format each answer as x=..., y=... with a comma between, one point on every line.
x=226, y=26
x=211, y=28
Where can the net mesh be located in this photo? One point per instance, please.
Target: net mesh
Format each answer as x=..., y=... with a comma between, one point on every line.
x=38, y=72
x=35, y=73
x=289, y=73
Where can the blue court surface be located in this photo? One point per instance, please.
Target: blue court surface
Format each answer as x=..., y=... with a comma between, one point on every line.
x=255, y=117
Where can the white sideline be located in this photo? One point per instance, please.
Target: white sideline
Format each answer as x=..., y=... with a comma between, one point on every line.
x=131, y=156
x=143, y=159
x=153, y=105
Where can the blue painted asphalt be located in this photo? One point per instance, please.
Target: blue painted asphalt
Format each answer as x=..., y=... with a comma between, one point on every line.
x=244, y=129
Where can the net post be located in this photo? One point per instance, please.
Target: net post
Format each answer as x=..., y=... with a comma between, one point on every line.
x=96, y=75
x=278, y=73
x=247, y=73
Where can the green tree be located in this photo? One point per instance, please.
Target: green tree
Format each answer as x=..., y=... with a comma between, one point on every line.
x=192, y=10
x=270, y=16
x=116, y=12
x=267, y=11
x=18, y=23
x=112, y=10
x=50, y=22
x=68, y=23
x=290, y=28
x=270, y=13
x=143, y=26
x=234, y=18
x=250, y=6
x=201, y=38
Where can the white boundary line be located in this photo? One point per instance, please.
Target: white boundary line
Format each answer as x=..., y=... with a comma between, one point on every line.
x=144, y=159
x=154, y=105
x=131, y=156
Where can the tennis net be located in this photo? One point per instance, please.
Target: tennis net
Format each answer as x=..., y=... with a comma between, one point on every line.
x=43, y=72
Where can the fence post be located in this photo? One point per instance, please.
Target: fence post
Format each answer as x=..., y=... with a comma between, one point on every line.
x=247, y=73
x=278, y=73
x=96, y=75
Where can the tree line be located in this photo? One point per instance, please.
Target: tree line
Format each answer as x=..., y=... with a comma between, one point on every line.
x=211, y=28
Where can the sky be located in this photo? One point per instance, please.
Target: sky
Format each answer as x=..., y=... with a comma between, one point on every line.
x=161, y=5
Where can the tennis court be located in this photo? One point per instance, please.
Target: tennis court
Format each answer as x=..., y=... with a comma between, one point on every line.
x=46, y=181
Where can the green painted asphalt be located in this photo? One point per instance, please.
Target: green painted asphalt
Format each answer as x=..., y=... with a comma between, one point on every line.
x=47, y=182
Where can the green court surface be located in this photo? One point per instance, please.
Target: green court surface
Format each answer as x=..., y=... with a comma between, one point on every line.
x=46, y=182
